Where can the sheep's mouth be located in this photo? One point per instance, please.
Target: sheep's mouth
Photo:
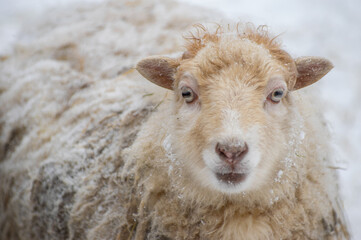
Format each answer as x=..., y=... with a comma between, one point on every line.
x=231, y=178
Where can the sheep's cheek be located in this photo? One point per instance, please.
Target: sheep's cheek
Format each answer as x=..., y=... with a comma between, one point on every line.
x=188, y=132
x=275, y=110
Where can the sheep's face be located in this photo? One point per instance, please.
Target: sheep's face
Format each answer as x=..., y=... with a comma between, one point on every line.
x=231, y=109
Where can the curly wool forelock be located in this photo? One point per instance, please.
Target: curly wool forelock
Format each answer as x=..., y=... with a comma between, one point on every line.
x=202, y=35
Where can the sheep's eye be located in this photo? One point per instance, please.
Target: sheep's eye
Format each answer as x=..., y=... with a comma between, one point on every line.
x=188, y=94
x=276, y=95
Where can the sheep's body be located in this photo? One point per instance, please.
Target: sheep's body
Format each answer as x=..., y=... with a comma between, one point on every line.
x=97, y=159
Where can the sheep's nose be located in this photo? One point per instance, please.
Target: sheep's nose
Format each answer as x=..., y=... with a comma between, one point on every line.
x=231, y=154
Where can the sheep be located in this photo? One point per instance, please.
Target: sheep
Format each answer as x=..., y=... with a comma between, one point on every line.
x=248, y=156
x=228, y=148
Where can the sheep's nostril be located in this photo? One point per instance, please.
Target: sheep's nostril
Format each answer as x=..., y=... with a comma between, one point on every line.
x=230, y=153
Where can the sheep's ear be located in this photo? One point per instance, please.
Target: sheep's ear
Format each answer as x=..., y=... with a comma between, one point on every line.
x=310, y=70
x=159, y=70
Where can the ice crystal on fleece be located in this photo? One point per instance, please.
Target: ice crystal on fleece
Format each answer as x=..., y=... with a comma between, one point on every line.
x=296, y=138
x=274, y=198
x=167, y=145
x=279, y=176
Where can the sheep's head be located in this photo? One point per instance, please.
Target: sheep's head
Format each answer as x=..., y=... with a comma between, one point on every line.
x=232, y=105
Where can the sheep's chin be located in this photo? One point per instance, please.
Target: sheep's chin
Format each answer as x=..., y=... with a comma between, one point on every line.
x=233, y=185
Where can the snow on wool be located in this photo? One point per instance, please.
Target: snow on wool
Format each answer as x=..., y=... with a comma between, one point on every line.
x=92, y=150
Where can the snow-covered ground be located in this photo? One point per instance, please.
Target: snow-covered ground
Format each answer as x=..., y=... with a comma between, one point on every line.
x=329, y=29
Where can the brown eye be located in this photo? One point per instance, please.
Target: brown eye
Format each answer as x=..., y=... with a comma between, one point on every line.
x=188, y=94
x=276, y=95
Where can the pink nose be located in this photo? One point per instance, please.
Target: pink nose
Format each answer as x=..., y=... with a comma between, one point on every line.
x=231, y=154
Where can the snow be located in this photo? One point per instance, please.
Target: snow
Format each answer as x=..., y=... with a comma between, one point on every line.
x=279, y=176
x=330, y=29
